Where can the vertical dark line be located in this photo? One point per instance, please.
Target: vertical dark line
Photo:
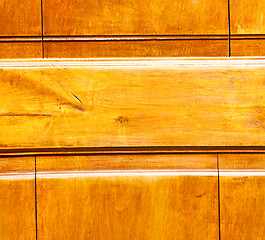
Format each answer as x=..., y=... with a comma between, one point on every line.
x=42, y=44
x=229, y=30
x=36, y=198
x=219, y=212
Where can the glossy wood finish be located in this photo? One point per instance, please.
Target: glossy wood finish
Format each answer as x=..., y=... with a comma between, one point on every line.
x=247, y=47
x=10, y=50
x=242, y=196
x=171, y=48
x=156, y=17
x=247, y=16
x=127, y=197
x=17, y=198
x=20, y=18
x=108, y=103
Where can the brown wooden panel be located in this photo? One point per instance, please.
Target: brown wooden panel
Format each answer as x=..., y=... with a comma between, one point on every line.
x=171, y=48
x=108, y=17
x=247, y=47
x=20, y=18
x=242, y=196
x=247, y=16
x=20, y=50
x=148, y=200
x=144, y=102
x=17, y=198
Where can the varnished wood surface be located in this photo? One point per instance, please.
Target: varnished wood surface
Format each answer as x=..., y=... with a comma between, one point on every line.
x=242, y=196
x=20, y=18
x=143, y=102
x=138, y=198
x=108, y=17
x=164, y=48
x=247, y=47
x=247, y=17
x=20, y=50
x=17, y=198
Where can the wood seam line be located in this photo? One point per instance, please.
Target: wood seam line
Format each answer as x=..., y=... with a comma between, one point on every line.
x=229, y=29
x=219, y=197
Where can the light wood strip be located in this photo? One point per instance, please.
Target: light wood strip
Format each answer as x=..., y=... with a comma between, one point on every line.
x=121, y=103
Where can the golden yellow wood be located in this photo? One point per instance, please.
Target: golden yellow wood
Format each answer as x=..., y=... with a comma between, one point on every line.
x=20, y=18
x=127, y=197
x=156, y=17
x=10, y=50
x=170, y=48
x=242, y=196
x=148, y=102
x=17, y=198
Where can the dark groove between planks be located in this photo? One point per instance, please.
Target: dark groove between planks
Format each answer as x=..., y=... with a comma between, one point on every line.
x=219, y=204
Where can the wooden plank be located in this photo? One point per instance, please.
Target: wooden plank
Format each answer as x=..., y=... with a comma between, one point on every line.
x=20, y=50
x=170, y=48
x=82, y=17
x=247, y=17
x=121, y=201
x=247, y=47
x=20, y=18
x=242, y=196
x=17, y=198
x=121, y=103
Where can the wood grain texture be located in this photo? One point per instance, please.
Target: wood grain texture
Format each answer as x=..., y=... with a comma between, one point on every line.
x=17, y=198
x=156, y=17
x=247, y=47
x=124, y=203
x=20, y=18
x=116, y=162
x=171, y=48
x=242, y=196
x=10, y=50
x=247, y=16
x=144, y=102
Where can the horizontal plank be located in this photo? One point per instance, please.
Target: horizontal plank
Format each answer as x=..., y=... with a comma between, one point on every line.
x=136, y=48
x=20, y=50
x=181, y=162
x=247, y=46
x=132, y=102
x=245, y=162
x=107, y=17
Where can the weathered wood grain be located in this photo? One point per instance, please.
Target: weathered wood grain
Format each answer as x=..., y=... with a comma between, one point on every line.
x=127, y=197
x=242, y=196
x=118, y=103
x=109, y=17
x=164, y=48
x=20, y=18
x=17, y=198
